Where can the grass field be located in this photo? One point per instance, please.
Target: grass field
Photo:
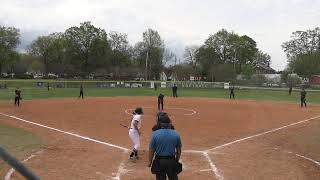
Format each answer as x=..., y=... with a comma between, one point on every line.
x=18, y=141
x=269, y=95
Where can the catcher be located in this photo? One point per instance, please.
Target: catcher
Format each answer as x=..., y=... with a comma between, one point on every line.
x=162, y=115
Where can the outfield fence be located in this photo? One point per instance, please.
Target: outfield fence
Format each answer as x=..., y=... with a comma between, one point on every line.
x=108, y=84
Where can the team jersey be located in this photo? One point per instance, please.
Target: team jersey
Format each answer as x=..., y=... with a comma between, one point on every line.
x=18, y=93
x=136, y=117
x=160, y=97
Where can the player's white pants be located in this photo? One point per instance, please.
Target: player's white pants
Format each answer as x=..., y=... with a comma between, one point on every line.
x=134, y=135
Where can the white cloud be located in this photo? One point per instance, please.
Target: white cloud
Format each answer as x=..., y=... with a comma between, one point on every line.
x=179, y=22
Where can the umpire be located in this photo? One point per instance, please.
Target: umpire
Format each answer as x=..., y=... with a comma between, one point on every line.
x=165, y=150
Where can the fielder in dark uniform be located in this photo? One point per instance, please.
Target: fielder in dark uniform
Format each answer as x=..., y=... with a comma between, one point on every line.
x=303, y=94
x=17, y=97
x=160, y=102
x=48, y=86
x=81, y=91
x=290, y=89
x=155, y=87
x=174, y=91
x=231, y=92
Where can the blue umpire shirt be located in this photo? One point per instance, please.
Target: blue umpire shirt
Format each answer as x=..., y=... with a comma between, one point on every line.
x=165, y=141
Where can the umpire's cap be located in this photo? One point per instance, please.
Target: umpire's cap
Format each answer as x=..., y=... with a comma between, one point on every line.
x=162, y=117
x=138, y=110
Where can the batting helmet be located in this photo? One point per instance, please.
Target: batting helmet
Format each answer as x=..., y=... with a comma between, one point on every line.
x=138, y=110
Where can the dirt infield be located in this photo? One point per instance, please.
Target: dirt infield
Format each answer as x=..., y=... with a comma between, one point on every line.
x=221, y=139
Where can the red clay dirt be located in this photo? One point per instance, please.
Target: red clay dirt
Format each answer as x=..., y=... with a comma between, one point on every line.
x=216, y=122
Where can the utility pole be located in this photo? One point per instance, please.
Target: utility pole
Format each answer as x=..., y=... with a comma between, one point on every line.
x=146, y=70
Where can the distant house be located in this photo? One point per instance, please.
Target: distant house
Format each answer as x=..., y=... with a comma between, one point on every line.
x=264, y=69
x=315, y=80
x=163, y=76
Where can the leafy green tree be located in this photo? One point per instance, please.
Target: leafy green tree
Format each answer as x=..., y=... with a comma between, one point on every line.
x=120, y=56
x=245, y=52
x=50, y=49
x=9, y=40
x=153, y=49
x=87, y=47
x=261, y=58
x=230, y=48
x=222, y=43
x=302, y=42
x=306, y=65
x=248, y=71
x=207, y=57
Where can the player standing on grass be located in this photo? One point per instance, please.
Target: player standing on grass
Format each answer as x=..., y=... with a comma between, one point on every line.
x=174, y=91
x=160, y=102
x=81, y=91
x=231, y=92
x=17, y=97
x=134, y=131
x=290, y=89
x=303, y=94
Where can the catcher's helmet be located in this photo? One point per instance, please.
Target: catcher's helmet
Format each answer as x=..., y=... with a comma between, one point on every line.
x=138, y=110
x=162, y=117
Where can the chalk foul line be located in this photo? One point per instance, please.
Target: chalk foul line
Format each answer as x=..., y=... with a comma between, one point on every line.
x=69, y=133
x=121, y=170
x=263, y=133
x=214, y=169
x=304, y=157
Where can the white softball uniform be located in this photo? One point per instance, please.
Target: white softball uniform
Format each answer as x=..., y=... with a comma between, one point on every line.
x=133, y=133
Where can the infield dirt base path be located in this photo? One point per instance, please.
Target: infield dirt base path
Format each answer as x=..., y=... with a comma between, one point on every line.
x=202, y=123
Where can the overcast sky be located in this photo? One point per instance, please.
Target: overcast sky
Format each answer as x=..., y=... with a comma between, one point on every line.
x=179, y=22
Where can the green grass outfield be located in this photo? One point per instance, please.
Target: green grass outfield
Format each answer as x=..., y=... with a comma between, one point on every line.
x=269, y=95
x=18, y=142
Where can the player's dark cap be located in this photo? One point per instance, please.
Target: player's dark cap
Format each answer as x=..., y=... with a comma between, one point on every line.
x=138, y=110
x=163, y=117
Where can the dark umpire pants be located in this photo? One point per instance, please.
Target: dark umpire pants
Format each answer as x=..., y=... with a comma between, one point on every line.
x=160, y=102
x=167, y=167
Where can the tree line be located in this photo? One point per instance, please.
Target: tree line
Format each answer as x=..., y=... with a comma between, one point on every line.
x=86, y=49
x=303, y=53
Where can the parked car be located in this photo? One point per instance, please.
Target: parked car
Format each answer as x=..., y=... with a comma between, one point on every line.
x=52, y=76
x=5, y=75
x=37, y=76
